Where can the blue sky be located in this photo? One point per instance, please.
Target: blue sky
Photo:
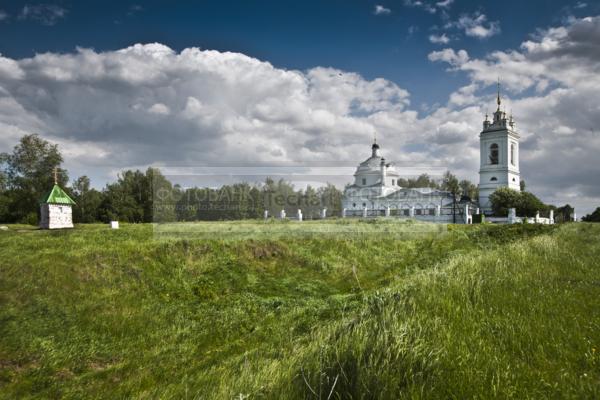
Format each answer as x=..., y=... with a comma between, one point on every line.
x=131, y=84
x=343, y=34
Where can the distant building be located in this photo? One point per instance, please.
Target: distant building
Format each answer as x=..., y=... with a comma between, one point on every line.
x=56, y=209
x=499, y=157
x=376, y=191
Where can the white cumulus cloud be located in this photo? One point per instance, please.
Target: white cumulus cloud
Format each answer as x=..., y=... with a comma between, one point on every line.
x=148, y=104
x=381, y=10
x=439, y=39
x=475, y=25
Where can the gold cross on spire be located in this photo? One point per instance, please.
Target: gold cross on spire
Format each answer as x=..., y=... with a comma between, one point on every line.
x=375, y=137
x=56, y=175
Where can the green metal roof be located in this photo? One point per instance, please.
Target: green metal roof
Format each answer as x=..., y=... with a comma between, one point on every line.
x=57, y=196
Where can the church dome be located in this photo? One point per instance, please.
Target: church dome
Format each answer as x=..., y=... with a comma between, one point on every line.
x=373, y=163
x=371, y=169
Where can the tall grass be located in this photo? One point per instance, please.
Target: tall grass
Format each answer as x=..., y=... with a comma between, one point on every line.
x=478, y=312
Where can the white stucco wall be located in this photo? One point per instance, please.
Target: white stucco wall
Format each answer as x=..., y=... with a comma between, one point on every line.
x=503, y=174
x=56, y=216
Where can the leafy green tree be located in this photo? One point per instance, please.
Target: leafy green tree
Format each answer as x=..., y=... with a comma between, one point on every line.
x=280, y=195
x=159, y=197
x=424, y=180
x=88, y=200
x=421, y=181
x=331, y=199
x=310, y=203
x=124, y=200
x=450, y=183
x=139, y=197
x=504, y=198
x=469, y=189
x=529, y=205
x=525, y=203
x=593, y=217
x=4, y=197
x=28, y=175
x=564, y=213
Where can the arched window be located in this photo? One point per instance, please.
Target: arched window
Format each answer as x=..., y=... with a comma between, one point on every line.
x=512, y=154
x=364, y=181
x=393, y=182
x=493, y=179
x=494, y=153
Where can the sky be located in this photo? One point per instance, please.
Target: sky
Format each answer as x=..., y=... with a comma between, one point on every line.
x=130, y=84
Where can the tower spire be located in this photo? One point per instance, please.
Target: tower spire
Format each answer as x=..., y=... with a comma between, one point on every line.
x=498, y=99
x=56, y=175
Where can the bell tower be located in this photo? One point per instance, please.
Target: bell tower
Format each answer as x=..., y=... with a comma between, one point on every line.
x=499, y=156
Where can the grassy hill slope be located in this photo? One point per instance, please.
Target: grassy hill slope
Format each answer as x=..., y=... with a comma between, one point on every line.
x=480, y=311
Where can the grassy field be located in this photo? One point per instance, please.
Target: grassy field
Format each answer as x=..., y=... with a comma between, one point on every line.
x=373, y=312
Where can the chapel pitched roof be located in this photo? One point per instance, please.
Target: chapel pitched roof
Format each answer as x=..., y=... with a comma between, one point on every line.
x=57, y=196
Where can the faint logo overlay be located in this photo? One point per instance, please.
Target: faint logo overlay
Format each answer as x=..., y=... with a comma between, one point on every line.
x=238, y=202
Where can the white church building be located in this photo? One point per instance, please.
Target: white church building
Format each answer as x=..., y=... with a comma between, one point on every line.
x=376, y=190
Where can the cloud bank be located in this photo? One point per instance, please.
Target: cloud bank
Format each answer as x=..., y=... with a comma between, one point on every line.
x=148, y=104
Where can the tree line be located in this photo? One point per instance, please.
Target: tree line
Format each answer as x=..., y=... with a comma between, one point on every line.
x=147, y=196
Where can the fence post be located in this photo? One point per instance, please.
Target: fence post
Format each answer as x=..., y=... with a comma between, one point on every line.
x=343, y=213
x=512, y=215
x=266, y=214
x=365, y=212
x=282, y=214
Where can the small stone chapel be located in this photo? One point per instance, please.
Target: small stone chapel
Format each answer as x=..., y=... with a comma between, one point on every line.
x=56, y=208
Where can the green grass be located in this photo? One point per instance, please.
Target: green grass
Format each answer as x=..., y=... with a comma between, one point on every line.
x=318, y=310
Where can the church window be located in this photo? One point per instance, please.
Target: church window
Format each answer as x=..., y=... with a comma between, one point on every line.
x=354, y=205
x=364, y=204
x=364, y=181
x=493, y=179
x=494, y=153
x=512, y=153
x=393, y=182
